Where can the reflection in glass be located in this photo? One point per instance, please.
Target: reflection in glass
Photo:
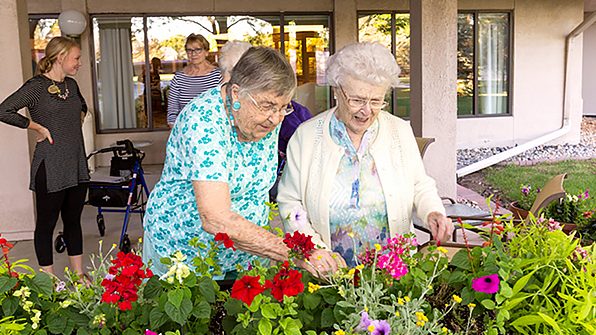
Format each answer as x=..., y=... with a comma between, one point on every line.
x=306, y=41
x=493, y=60
x=41, y=30
x=465, y=64
x=377, y=28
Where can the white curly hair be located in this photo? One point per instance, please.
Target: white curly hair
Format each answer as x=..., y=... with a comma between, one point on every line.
x=230, y=53
x=370, y=62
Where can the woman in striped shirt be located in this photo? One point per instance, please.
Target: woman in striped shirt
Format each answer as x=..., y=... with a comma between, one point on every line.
x=197, y=77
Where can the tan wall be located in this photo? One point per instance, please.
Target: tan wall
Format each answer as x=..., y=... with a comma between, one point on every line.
x=589, y=73
x=17, y=218
x=540, y=28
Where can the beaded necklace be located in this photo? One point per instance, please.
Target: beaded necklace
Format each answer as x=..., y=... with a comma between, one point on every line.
x=54, y=89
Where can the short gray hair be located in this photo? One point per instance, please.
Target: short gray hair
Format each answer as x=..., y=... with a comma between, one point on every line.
x=230, y=53
x=366, y=61
x=262, y=69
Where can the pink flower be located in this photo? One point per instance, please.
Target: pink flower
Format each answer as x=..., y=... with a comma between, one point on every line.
x=149, y=332
x=487, y=284
x=553, y=225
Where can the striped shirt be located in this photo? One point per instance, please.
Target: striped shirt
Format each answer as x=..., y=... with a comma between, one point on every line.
x=64, y=160
x=184, y=88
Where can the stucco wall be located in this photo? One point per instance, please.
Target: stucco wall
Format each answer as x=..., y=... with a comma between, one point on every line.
x=16, y=201
x=540, y=28
x=589, y=73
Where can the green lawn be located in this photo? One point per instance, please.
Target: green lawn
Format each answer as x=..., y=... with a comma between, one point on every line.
x=581, y=174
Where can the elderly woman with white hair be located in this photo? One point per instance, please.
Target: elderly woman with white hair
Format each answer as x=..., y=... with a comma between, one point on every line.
x=355, y=169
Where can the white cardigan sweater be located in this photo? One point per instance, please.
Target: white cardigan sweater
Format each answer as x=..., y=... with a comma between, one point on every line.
x=312, y=163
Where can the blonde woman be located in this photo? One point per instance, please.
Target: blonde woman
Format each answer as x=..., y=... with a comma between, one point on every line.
x=59, y=173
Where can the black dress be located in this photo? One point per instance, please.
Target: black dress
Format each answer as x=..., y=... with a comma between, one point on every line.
x=65, y=160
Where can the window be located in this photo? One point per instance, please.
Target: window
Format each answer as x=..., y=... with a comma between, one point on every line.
x=393, y=31
x=126, y=46
x=43, y=29
x=483, y=64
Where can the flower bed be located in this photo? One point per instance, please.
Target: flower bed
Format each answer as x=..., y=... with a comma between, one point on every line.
x=527, y=279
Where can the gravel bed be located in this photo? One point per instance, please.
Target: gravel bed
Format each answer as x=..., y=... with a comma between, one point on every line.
x=584, y=150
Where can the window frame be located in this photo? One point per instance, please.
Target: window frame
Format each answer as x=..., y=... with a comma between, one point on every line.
x=145, y=16
x=393, y=13
x=475, y=104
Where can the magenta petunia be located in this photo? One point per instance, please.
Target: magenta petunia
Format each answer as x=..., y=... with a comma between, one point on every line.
x=487, y=284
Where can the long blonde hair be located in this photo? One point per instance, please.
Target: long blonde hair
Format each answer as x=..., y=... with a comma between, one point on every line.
x=57, y=46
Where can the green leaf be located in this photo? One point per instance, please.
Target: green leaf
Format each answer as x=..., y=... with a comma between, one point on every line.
x=207, y=290
x=157, y=318
x=550, y=321
x=56, y=324
x=130, y=331
x=175, y=297
x=202, y=310
x=521, y=283
x=265, y=326
x=6, y=284
x=460, y=260
x=233, y=306
x=506, y=290
x=311, y=301
x=10, y=305
x=527, y=320
x=329, y=295
x=291, y=326
x=488, y=304
x=327, y=318
x=179, y=315
x=42, y=283
x=457, y=277
x=269, y=311
x=152, y=288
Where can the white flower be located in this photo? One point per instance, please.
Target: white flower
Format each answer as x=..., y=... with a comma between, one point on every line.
x=60, y=286
x=179, y=269
x=22, y=292
x=298, y=216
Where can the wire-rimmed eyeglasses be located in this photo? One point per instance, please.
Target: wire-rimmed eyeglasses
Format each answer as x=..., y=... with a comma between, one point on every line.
x=271, y=109
x=359, y=102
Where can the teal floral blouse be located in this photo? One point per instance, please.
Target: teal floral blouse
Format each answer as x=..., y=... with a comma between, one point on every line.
x=203, y=146
x=357, y=210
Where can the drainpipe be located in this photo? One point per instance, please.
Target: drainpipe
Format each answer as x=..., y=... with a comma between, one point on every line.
x=565, y=127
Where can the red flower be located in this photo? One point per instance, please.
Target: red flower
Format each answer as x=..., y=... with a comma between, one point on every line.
x=126, y=275
x=587, y=214
x=227, y=242
x=125, y=306
x=301, y=245
x=247, y=288
x=287, y=282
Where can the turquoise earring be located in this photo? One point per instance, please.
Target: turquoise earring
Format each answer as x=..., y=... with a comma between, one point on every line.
x=236, y=105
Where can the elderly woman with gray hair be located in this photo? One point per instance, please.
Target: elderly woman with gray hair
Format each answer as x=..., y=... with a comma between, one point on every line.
x=355, y=169
x=220, y=163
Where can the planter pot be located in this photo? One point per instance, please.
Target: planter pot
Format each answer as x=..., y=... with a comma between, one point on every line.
x=568, y=228
x=518, y=213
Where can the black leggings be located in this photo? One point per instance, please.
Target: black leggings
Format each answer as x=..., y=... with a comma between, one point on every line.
x=69, y=204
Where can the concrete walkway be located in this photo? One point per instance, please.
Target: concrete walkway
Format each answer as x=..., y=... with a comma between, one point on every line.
x=114, y=222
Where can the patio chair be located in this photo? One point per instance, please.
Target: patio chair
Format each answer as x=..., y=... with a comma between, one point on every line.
x=453, y=209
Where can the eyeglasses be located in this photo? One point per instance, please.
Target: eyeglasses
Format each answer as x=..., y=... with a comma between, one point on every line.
x=197, y=50
x=360, y=103
x=271, y=109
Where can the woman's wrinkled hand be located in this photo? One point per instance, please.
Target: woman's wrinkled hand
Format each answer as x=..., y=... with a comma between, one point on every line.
x=323, y=263
x=440, y=226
